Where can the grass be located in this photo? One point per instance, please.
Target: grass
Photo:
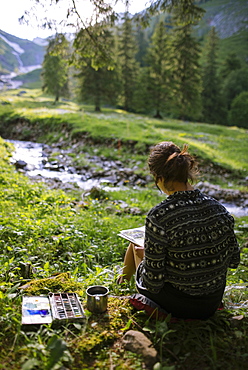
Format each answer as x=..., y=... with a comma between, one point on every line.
x=222, y=145
x=55, y=233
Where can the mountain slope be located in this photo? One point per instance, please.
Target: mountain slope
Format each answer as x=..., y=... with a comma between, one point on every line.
x=230, y=19
x=16, y=53
x=227, y=16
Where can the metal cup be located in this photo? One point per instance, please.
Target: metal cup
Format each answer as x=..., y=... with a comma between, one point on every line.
x=97, y=298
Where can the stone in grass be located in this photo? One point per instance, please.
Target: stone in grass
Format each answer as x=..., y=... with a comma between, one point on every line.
x=137, y=342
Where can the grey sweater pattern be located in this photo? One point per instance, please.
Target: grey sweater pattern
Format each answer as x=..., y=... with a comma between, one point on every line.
x=190, y=243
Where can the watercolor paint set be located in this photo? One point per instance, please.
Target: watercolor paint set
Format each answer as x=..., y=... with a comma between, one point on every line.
x=59, y=308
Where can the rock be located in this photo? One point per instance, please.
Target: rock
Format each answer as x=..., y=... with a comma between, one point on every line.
x=71, y=170
x=94, y=193
x=137, y=342
x=20, y=164
x=135, y=211
x=223, y=195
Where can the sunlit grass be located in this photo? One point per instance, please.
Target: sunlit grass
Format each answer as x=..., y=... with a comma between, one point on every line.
x=223, y=145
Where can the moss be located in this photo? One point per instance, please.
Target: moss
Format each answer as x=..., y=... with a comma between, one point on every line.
x=102, y=330
x=57, y=283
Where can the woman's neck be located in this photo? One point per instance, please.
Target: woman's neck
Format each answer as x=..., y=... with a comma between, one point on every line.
x=174, y=186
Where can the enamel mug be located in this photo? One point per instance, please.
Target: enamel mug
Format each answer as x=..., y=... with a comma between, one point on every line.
x=97, y=298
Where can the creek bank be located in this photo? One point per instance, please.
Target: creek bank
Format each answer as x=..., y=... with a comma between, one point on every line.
x=54, y=165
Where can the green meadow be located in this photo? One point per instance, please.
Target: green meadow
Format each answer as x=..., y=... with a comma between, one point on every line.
x=221, y=145
x=52, y=241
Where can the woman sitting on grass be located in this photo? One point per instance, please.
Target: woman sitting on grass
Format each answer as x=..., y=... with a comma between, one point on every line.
x=189, y=241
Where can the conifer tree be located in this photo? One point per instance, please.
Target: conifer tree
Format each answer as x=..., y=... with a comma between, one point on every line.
x=142, y=43
x=231, y=63
x=159, y=78
x=186, y=52
x=213, y=109
x=55, y=67
x=98, y=84
x=127, y=62
x=142, y=101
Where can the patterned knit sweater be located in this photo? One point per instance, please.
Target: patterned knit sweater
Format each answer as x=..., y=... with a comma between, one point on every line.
x=190, y=243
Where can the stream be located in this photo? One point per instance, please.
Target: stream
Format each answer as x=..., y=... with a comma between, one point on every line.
x=33, y=159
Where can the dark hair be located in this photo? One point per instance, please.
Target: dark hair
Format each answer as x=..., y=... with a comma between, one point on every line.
x=167, y=162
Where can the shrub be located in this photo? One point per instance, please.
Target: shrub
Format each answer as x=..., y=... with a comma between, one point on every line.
x=238, y=114
x=234, y=84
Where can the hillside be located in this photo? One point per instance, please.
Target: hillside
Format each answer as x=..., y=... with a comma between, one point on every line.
x=18, y=53
x=230, y=18
x=227, y=16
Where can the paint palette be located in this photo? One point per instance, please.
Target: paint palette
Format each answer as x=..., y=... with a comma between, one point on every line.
x=56, y=308
x=66, y=306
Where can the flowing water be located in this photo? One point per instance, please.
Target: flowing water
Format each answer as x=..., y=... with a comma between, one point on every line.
x=33, y=154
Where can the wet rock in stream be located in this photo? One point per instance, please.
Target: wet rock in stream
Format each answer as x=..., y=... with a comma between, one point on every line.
x=224, y=195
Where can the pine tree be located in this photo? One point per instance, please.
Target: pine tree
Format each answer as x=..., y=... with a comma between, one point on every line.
x=186, y=52
x=98, y=84
x=213, y=109
x=55, y=67
x=142, y=43
x=159, y=78
x=231, y=63
x=127, y=62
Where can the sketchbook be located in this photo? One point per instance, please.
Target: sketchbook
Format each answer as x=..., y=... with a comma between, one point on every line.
x=136, y=235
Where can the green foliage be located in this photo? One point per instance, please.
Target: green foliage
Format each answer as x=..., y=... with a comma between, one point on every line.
x=128, y=83
x=213, y=107
x=186, y=53
x=143, y=43
x=94, y=44
x=128, y=65
x=55, y=67
x=239, y=110
x=231, y=63
x=235, y=83
x=160, y=81
x=98, y=85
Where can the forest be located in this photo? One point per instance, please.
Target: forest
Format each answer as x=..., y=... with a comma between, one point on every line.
x=164, y=70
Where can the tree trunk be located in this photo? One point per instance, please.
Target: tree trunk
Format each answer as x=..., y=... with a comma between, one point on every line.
x=158, y=115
